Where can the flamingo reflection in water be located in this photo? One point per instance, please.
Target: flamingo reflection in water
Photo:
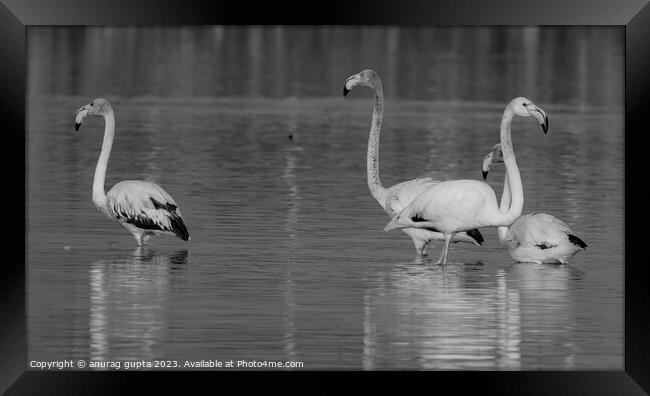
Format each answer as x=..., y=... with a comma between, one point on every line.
x=470, y=316
x=129, y=297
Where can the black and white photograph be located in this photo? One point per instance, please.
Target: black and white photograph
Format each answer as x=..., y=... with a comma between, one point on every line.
x=320, y=198
x=325, y=197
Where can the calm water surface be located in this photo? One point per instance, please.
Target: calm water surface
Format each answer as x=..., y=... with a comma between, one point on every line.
x=288, y=259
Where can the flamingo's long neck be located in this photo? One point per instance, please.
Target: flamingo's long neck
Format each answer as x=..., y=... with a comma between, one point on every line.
x=512, y=172
x=376, y=189
x=505, y=205
x=99, y=195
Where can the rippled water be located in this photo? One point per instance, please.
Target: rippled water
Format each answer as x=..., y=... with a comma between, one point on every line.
x=288, y=259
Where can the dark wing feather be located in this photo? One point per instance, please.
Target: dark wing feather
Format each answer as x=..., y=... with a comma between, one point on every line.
x=175, y=220
x=476, y=235
x=545, y=245
x=577, y=241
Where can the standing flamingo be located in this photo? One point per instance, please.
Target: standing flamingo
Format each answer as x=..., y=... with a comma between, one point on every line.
x=143, y=208
x=535, y=237
x=453, y=206
x=395, y=198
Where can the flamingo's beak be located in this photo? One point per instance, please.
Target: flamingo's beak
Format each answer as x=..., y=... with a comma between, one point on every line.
x=349, y=84
x=487, y=162
x=540, y=116
x=396, y=223
x=81, y=114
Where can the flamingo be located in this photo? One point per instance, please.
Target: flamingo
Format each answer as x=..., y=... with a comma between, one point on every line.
x=535, y=237
x=395, y=198
x=453, y=206
x=142, y=208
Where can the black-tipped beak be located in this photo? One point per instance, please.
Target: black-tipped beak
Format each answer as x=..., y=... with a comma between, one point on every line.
x=347, y=90
x=487, y=162
x=539, y=115
x=81, y=114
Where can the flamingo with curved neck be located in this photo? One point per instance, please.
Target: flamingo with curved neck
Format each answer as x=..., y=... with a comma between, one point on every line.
x=143, y=208
x=534, y=237
x=453, y=206
x=395, y=198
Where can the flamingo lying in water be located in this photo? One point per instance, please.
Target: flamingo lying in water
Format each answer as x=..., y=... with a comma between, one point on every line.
x=395, y=198
x=143, y=208
x=534, y=237
x=453, y=206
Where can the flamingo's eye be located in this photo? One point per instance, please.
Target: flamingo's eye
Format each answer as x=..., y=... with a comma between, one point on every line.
x=91, y=103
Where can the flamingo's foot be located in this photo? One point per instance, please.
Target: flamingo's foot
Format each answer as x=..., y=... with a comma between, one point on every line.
x=421, y=248
x=442, y=260
x=419, y=260
x=141, y=239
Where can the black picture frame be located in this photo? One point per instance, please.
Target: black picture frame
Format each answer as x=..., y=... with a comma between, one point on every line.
x=16, y=15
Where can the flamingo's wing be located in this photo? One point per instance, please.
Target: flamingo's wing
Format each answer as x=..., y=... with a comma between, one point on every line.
x=541, y=230
x=562, y=227
x=146, y=205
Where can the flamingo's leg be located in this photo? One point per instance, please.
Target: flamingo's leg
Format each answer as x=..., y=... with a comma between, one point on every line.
x=421, y=246
x=442, y=253
x=139, y=237
x=445, y=249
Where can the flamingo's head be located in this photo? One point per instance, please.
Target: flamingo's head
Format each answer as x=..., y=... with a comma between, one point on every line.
x=97, y=107
x=409, y=217
x=494, y=157
x=366, y=78
x=526, y=108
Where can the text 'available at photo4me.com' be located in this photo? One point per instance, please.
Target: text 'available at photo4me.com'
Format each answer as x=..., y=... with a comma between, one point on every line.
x=161, y=364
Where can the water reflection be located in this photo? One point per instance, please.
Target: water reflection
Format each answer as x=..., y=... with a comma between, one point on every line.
x=508, y=332
x=465, y=316
x=293, y=248
x=545, y=294
x=129, y=297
